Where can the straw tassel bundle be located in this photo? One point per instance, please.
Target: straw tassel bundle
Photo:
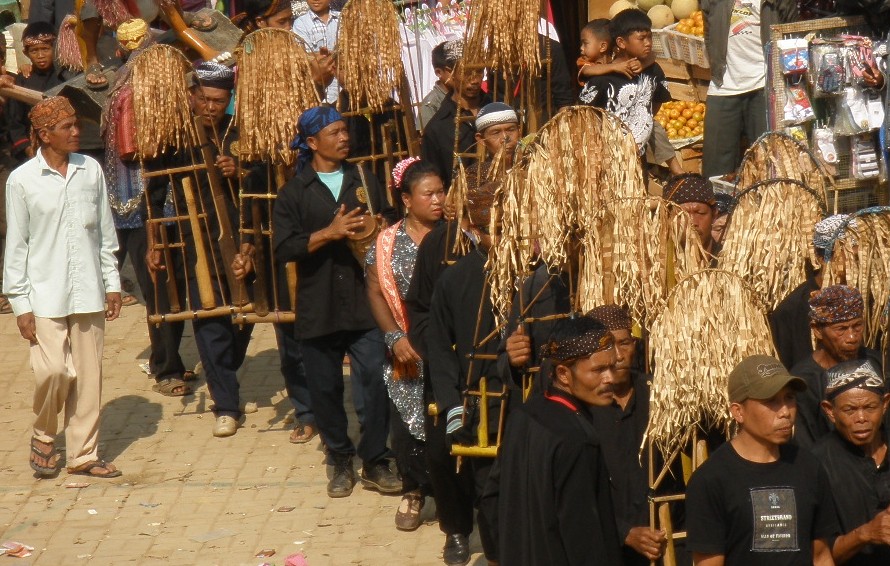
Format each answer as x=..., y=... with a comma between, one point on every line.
x=634, y=251
x=370, y=56
x=274, y=88
x=582, y=159
x=502, y=33
x=161, y=101
x=712, y=320
x=777, y=155
x=67, y=48
x=770, y=237
x=861, y=259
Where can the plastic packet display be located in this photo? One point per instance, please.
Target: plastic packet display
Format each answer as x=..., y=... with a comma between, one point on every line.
x=828, y=73
x=794, y=54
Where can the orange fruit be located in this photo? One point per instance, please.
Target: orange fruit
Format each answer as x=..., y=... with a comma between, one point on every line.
x=687, y=113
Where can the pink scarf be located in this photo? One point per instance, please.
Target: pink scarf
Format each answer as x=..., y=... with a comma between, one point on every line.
x=386, y=240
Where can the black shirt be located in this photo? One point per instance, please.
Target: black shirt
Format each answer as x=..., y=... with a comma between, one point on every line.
x=634, y=100
x=622, y=431
x=460, y=317
x=331, y=294
x=764, y=514
x=437, y=145
x=432, y=258
x=554, y=502
x=790, y=323
x=861, y=490
x=18, y=124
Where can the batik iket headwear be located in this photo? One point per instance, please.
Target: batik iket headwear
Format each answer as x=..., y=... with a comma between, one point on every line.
x=595, y=340
x=613, y=316
x=689, y=187
x=829, y=230
x=48, y=113
x=834, y=304
x=853, y=374
x=214, y=75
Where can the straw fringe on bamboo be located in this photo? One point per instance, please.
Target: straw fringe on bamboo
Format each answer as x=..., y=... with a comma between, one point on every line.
x=776, y=155
x=274, y=87
x=582, y=158
x=502, y=33
x=161, y=101
x=712, y=320
x=861, y=259
x=370, y=58
x=634, y=249
x=769, y=239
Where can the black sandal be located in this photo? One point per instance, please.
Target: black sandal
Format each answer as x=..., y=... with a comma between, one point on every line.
x=50, y=457
x=87, y=470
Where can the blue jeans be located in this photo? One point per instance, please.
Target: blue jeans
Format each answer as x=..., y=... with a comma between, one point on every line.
x=323, y=358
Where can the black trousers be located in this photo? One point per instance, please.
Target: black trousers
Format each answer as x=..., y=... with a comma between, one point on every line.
x=410, y=455
x=728, y=119
x=457, y=493
x=222, y=347
x=323, y=358
x=164, y=360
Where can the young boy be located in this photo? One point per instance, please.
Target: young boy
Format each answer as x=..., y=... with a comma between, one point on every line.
x=39, y=40
x=431, y=102
x=596, y=50
x=634, y=99
x=318, y=30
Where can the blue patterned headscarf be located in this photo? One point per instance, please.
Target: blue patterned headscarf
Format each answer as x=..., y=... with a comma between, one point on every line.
x=310, y=123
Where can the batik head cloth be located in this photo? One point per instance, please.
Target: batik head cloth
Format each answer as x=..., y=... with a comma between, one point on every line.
x=214, y=75
x=37, y=33
x=613, y=316
x=454, y=52
x=50, y=112
x=853, y=374
x=495, y=113
x=834, y=304
x=827, y=231
x=689, y=187
x=309, y=124
x=573, y=339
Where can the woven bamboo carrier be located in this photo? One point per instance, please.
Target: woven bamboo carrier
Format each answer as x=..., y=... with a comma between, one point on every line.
x=861, y=258
x=711, y=321
x=274, y=88
x=770, y=237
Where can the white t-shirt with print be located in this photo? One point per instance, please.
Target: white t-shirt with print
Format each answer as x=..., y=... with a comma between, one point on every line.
x=745, y=62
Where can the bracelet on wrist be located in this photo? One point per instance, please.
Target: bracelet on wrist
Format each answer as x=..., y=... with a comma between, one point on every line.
x=392, y=337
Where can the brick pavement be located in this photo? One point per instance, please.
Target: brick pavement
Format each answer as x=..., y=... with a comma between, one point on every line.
x=180, y=483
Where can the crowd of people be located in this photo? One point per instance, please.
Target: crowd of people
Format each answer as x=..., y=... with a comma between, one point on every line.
x=804, y=479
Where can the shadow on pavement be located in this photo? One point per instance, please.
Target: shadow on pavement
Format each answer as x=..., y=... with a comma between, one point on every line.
x=125, y=420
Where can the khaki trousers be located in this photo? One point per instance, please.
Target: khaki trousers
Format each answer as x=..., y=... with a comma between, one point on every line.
x=67, y=364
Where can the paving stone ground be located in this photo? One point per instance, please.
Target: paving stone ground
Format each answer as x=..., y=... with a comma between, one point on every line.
x=185, y=496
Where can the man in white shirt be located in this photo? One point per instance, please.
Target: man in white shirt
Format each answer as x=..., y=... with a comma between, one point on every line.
x=61, y=277
x=318, y=30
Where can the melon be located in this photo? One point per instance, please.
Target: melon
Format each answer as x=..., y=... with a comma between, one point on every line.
x=684, y=8
x=647, y=5
x=620, y=6
x=661, y=16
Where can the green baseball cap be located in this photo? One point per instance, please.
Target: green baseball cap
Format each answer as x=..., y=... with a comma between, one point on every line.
x=760, y=377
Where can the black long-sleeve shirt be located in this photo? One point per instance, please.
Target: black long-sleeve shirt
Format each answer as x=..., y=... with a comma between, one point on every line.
x=437, y=145
x=790, y=323
x=453, y=333
x=331, y=294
